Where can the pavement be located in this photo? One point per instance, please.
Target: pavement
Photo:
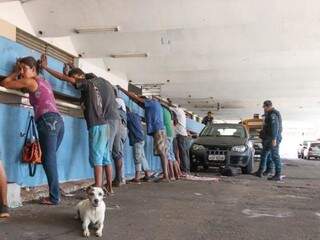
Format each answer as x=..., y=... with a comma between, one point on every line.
x=239, y=207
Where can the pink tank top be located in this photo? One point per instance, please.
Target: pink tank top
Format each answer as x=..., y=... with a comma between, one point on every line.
x=43, y=100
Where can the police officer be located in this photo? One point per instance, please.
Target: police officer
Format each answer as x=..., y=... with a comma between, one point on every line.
x=269, y=163
x=271, y=135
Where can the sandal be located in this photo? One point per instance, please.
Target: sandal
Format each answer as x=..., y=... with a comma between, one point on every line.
x=146, y=179
x=47, y=201
x=4, y=211
x=136, y=181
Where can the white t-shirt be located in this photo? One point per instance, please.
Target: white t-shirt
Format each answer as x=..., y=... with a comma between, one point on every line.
x=181, y=127
x=121, y=104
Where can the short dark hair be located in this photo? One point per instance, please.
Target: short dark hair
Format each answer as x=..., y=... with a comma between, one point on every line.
x=209, y=112
x=267, y=103
x=75, y=71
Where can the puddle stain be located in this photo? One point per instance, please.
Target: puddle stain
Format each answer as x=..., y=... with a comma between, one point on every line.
x=256, y=214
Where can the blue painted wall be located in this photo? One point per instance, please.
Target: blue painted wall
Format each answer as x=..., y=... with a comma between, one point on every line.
x=10, y=51
x=73, y=154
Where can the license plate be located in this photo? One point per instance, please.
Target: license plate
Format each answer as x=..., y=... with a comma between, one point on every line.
x=216, y=157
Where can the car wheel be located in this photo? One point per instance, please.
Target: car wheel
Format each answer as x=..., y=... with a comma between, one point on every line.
x=249, y=168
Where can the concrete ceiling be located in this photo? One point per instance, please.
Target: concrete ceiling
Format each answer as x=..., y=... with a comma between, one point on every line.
x=233, y=52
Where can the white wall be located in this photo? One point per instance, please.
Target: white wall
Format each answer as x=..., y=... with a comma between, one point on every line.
x=97, y=67
x=13, y=13
x=64, y=43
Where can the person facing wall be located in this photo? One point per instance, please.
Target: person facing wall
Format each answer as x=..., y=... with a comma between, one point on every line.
x=4, y=210
x=182, y=139
x=136, y=140
x=49, y=122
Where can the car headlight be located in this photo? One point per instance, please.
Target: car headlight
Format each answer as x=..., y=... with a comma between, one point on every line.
x=241, y=148
x=197, y=147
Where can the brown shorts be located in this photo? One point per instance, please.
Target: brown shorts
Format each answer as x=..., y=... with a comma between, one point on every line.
x=159, y=142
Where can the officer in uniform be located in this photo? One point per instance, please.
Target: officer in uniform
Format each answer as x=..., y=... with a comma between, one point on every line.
x=271, y=135
x=270, y=164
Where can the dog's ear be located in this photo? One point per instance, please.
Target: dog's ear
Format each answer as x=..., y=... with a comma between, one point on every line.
x=105, y=191
x=88, y=189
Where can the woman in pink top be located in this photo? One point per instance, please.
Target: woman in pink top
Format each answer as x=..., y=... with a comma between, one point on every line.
x=48, y=119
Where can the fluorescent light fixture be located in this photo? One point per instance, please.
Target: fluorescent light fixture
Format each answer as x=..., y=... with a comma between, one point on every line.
x=130, y=55
x=96, y=29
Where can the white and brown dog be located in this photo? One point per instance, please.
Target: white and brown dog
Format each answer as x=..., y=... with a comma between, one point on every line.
x=92, y=211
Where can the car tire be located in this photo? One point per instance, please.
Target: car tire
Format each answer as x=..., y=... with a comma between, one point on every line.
x=249, y=168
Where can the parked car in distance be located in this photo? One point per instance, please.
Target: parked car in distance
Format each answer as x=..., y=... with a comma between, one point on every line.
x=309, y=149
x=223, y=146
x=302, y=146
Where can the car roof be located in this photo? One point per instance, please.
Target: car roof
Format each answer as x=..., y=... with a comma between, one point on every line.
x=225, y=125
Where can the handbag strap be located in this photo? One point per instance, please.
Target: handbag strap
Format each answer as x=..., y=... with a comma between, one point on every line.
x=32, y=171
x=28, y=130
x=34, y=128
x=31, y=130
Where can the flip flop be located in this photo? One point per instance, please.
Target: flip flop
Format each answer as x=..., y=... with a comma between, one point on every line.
x=4, y=212
x=47, y=201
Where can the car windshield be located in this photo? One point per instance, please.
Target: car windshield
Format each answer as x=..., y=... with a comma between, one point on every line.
x=224, y=131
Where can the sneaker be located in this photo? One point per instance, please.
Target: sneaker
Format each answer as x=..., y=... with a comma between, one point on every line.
x=267, y=173
x=258, y=174
x=4, y=211
x=276, y=177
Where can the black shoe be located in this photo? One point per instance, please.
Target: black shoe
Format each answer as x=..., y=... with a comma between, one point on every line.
x=267, y=173
x=258, y=174
x=276, y=177
x=4, y=211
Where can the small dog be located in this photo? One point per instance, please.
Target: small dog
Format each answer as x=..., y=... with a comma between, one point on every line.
x=92, y=211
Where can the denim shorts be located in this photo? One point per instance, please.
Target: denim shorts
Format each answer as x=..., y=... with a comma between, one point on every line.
x=99, y=154
x=170, y=152
x=140, y=160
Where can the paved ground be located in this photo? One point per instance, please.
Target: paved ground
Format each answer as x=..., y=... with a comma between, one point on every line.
x=241, y=207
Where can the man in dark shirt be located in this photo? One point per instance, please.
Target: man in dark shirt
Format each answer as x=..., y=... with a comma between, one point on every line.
x=100, y=109
x=208, y=119
x=272, y=136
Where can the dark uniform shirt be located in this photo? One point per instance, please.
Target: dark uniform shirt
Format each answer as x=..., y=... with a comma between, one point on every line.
x=272, y=128
x=136, y=133
x=98, y=101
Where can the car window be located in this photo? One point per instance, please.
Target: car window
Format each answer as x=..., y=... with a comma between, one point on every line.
x=224, y=131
